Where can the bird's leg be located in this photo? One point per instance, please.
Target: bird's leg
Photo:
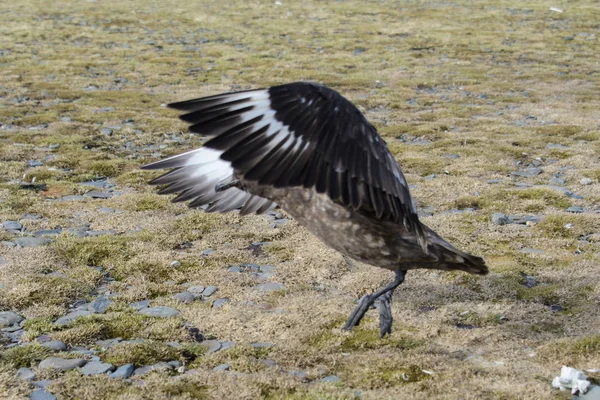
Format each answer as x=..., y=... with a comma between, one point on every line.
x=385, y=315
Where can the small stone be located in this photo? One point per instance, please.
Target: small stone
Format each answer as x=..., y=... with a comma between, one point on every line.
x=175, y=264
x=34, y=163
x=56, y=345
x=493, y=181
x=500, y=219
x=575, y=209
x=235, y=268
x=556, y=307
x=556, y=146
x=106, y=131
x=26, y=374
x=226, y=345
x=524, y=220
x=196, y=290
x=72, y=197
x=8, y=318
x=41, y=394
x=159, y=311
x=270, y=287
x=530, y=281
x=532, y=251
x=138, y=305
x=106, y=210
x=556, y=181
x=207, y=252
x=62, y=364
x=175, y=363
x=184, y=297
x=209, y=291
x=31, y=241
x=269, y=363
x=330, y=379
x=220, y=302
x=98, y=195
x=212, y=346
x=300, y=374
x=533, y=171
x=96, y=367
x=43, y=383
x=100, y=305
x=586, y=181
x=108, y=343
x=261, y=345
x=222, y=367
x=70, y=317
x=123, y=372
x=142, y=370
x=12, y=225
x=465, y=326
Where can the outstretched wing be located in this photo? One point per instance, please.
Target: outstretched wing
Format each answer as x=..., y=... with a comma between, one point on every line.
x=304, y=134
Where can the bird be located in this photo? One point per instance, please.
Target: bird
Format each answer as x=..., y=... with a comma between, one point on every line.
x=304, y=147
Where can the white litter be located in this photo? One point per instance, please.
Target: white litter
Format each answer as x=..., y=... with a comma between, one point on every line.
x=571, y=378
x=555, y=9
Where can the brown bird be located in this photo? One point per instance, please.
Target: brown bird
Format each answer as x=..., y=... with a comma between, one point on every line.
x=306, y=148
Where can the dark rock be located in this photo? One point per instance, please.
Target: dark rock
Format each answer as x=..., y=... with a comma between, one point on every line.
x=556, y=307
x=159, y=311
x=123, y=372
x=62, y=364
x=465, y=326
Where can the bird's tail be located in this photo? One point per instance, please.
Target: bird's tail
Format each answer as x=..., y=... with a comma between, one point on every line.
x=450, y=258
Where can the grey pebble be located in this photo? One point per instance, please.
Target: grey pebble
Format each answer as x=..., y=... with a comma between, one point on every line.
x=98, y=195
x=212, y=346
x=220, y=302
x=300, y=374
x=12, y=225
x=56, y=345
x=492, y=181
x=515, y=219
x=225, y=345
x=96, y=367
x=269, y=363
x=70, y=317
x=26, y=374
x=575, y=209
x=100, y=305
x=207, y=252
x=47, y=232
x=123, y=372
x=43, y=383
x=557, y=181
x=532, y=251
x=62, y=364
x=330, y=379
x=106, y=210
x=34, y=163
x=500, y=219
x=222, y=367
x=72, y=197
x=31, y=241
x=108, y=343
x=41, y=394
x=196, y=290
x=138, y=305
x=209, y=291
x=556, y=146
x=106, y=131
x=586, y=181
x=262, y=345
x=175, y=264
x=142, y=370
x=8, y=318
x=184, y=297
x=270, y=287
x=159, y=311
x=175, y=363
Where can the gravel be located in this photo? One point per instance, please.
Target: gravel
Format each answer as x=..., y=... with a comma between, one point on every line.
x=8, y=318
x=159, y=311
x=62, y=364
x=96, y=367
x=123, y=372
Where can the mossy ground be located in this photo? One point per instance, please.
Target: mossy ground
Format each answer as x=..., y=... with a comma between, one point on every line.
x=494, y=82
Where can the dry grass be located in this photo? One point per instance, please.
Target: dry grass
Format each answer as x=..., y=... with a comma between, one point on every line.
x=494, y=82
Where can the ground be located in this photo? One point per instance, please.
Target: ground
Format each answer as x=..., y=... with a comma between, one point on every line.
x=489, y=107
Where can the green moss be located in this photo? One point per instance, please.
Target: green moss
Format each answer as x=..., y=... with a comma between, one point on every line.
x=567, y=225
x=390, y=376
x=147, y=202
x=24, y=356
x=107, y=168
x=368, y=339
x=98, y=250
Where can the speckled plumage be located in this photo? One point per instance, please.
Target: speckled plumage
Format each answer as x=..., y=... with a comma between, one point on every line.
x=306, y=148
